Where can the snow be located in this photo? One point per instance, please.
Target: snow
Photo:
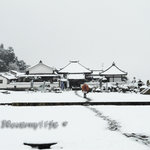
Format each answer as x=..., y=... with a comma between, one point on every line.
x=76, y=76
x=84, y=130
x=113, y=70
x=8, y=75
x=40, y=68
x=62, y=79
x=74, y=67
x=133, y=119
x=116, y=97
x=69, y=96
x=96, y=72
x=16, y=73
x=39, y=75
x=25, y=96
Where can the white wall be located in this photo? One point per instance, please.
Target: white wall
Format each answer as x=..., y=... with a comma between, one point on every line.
x=27, y=85
x=4, y=84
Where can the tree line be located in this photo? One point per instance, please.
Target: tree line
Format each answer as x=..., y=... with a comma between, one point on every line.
x=9, y=61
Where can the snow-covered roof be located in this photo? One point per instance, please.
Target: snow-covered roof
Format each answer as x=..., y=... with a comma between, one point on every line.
x=16, y=73
x=76, y=76
x=96, y=77
x=96, y=72
x=8, y=75
x=113, y=70
x=63, y=79
x=42, y=75
x=74, y=67
x=40, y=68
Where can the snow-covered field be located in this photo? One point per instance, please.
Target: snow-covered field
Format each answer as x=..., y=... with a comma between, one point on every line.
x=72, y=127
x=69, y=96
x=84, y=130
x=23, y=96
x=114, y=96
x=131, y=118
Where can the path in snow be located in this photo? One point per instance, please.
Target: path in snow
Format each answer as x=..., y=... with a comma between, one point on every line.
x=113, y=125
x=87, y=98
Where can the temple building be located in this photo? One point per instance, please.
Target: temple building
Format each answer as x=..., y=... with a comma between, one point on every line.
x=5, y=79
x=75, y=73
x=34, y=77
x=39, y=73
x=95, y=75
x=114, y=74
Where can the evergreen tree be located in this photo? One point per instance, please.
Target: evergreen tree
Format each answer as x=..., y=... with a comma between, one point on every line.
x=3, y=66
x=9, y=61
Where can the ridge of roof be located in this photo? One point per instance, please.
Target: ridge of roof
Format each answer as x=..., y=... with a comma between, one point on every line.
x=75, y=62
x=65, y=66
x=84, y=67
x=7, y=75
x=38, y=64
x=113, y=64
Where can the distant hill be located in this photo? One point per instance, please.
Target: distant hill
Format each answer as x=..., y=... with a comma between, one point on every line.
x=9, y=61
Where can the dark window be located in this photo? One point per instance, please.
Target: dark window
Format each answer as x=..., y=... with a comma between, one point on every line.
x=1, y=81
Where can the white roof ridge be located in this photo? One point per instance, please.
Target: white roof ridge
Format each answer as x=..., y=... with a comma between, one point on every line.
x=76, y=67
x=115, y=71
x=38, y=64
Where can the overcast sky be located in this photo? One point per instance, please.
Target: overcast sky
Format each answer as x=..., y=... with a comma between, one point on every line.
x=95, y=32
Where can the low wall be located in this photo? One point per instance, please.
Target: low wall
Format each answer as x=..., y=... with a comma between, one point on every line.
x=27, y=85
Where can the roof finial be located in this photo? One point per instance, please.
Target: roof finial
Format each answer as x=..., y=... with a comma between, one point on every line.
x=40, y=61
x=113, y=64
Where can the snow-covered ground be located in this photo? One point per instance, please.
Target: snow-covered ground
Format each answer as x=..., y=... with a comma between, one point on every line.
x=114, y=96
x=131, y=118
x=72, y=127
x=84, y=130
x=24, y=96
x=69, y=96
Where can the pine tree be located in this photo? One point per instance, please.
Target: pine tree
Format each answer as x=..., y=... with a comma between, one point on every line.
x=9, y=61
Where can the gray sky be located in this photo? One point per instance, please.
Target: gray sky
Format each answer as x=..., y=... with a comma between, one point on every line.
x=92, y=31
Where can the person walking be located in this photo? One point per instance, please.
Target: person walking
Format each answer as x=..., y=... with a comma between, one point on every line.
x=85, y=89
